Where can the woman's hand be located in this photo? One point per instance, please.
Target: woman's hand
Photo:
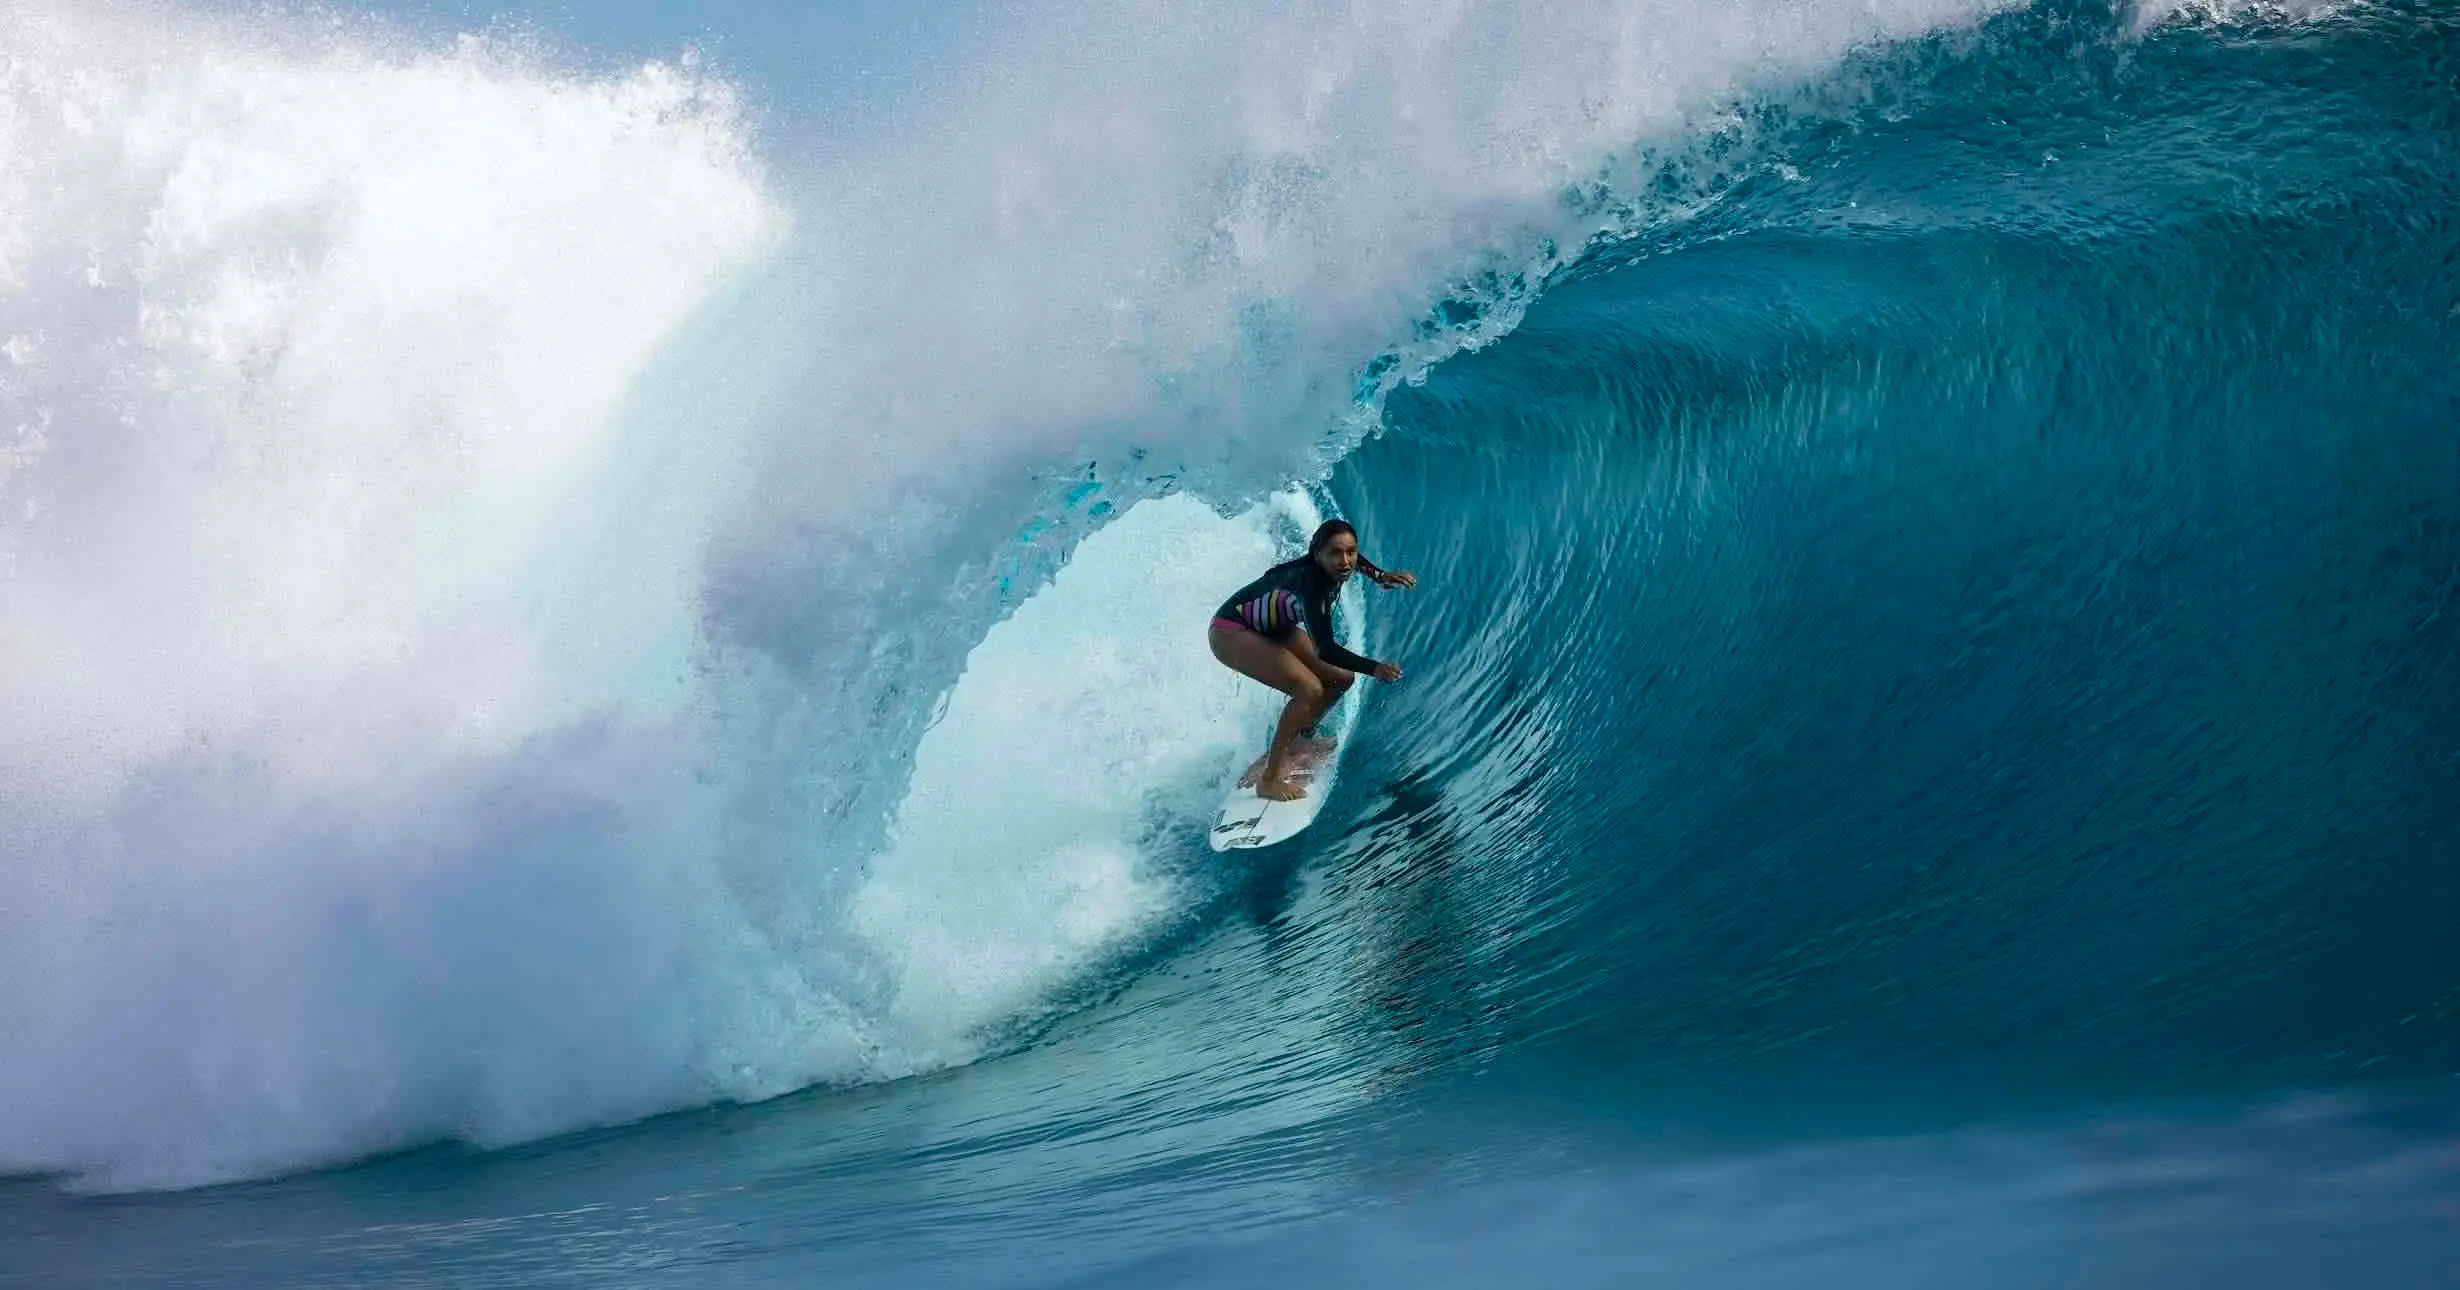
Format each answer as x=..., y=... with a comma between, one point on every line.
x=1387, y=672
x=1395, y=578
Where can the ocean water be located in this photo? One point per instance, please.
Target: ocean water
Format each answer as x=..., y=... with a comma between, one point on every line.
x=601, y=686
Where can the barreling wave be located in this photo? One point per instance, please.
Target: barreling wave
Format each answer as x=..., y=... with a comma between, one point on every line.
x=1936, y=528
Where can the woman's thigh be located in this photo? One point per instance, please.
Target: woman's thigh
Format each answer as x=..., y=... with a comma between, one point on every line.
x=1335, y=680
x=1261, y=658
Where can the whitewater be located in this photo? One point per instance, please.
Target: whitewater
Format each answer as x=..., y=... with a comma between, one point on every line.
x=602, y=683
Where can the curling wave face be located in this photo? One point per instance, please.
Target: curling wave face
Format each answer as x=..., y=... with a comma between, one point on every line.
x=1971, y=612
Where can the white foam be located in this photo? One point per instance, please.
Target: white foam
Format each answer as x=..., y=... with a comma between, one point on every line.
x=311, y=765
x=2149, y=14
x=333, y=334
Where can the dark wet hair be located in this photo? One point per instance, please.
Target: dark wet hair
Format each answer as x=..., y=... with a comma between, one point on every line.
x=1327, y=531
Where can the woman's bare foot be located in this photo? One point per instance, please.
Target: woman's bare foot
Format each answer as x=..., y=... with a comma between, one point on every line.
x=1278, y=789
x=1303, y=754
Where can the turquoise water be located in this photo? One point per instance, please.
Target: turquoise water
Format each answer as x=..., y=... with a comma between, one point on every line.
x=1927, y=758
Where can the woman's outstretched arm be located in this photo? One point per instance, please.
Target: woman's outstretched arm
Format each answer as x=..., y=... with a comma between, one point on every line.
x=1386, y=577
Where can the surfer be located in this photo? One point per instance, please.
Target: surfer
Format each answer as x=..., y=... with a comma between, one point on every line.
x=1278, y=630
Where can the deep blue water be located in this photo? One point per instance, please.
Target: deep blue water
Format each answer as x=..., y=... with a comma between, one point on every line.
x=2039, y=571
x=1931, y=756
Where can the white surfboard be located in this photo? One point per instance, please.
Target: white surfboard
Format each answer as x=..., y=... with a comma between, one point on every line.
x=1247, y=820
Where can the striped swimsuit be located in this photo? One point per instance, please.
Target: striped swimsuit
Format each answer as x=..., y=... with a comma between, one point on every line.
x=1289, y=597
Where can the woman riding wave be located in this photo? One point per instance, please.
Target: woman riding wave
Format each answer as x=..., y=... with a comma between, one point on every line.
x=1278, y=630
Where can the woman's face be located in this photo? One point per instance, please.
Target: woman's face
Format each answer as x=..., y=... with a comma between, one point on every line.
x=1338, y=557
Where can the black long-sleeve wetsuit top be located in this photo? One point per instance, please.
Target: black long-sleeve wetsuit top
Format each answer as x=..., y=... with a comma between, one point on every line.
x=1294, y=594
